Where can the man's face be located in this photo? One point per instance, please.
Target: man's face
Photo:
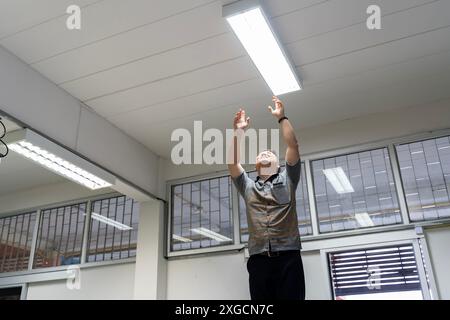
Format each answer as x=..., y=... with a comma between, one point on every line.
x=267, y=163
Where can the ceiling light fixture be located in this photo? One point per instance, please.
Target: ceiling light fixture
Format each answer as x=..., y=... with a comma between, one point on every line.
x=211, y=234
x=364, y=219
x=58, y=159
x=339, y=180
x=252, y=27
x=180, y=238
x=111, y=222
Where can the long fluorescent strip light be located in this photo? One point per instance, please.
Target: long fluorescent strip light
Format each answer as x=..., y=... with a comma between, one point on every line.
x=111, y=222
x=180, y=238
x=364, y=220
x=251, y=26
x=339, y=180
x=57, y=159
x=211, y=234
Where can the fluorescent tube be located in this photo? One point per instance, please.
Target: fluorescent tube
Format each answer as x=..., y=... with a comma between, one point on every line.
x=364, y=219
x=57, y=159
x=111, y=222
x=180, y=238
x=251, y=26
x=339, y=180
x=211, y=234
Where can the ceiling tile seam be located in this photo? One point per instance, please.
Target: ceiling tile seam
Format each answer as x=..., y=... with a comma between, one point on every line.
x=156, y=21
x=143, y=58
x=224, y=33
x=297, y=67
x=162, y=123
x=379, y=68
x=363, y=22
x=372, y=46
x=122, y=32
x=43, y=22
x=181, y=97
x=298, y=10
x=164, y=78
x=309, y=86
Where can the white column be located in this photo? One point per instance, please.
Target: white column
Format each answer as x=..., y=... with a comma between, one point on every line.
x=151, y=266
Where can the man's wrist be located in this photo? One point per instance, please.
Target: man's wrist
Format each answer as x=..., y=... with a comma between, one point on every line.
x=280, y=119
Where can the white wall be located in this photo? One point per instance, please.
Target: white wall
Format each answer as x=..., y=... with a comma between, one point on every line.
x=104, y=283
x=438, y=240
x=222, y=276
x=225, y=276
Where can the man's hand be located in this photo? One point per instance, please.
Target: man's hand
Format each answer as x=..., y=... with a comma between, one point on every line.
x=240, y=120
x=278, y=112
x=240, y=123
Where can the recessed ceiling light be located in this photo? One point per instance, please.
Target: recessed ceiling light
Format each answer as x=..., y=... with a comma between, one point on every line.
x=58, y=159
x=252, y=27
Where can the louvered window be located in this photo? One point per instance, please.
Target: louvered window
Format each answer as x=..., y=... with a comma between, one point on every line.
x=375, y=273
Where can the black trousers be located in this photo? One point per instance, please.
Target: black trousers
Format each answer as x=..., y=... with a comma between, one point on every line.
x=276, y=278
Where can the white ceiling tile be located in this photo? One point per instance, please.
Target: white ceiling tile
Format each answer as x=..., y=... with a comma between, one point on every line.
x=154, y=68
x=223, y=74
x=115, y=29
x=358, y=37
x=20, y=15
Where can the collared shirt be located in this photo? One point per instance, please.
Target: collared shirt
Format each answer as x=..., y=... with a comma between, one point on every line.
x=271, y=210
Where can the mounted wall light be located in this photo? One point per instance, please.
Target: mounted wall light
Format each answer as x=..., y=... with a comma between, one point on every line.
x=58, y=159
x=252, y=27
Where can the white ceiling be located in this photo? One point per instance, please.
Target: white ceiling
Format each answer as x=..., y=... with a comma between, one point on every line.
x=152, y=66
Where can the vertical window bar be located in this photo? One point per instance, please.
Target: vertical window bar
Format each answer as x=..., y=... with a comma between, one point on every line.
x=114, y=229
x=121, y=234
x=11, y=252
x=34, y=240
x=86, y=232
x=395, y=166
x=24, y=255
x=312, y=198
x=131, y=224
x=19, y=242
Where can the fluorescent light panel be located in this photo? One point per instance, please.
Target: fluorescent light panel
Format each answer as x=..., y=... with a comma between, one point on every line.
x=180, y=238
x=56, y=159
x=364, y=219
x=339, y=180
x=253, y=30
x=211, y=234
x=111, y=222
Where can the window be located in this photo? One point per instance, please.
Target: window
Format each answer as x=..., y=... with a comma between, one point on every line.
x=355, y=191
x=16, y=235
x=10, y=293
x=201, y=214
x=425, y=173
x=303, y=213
x=114, y=229
x=60, y=236
x=377, y=273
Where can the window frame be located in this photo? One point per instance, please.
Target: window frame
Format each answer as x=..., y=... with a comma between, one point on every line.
x=440, y=134
x=425, y=287
x=57, y=272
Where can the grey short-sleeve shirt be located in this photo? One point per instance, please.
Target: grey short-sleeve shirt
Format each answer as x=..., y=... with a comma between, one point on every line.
x=271, y=210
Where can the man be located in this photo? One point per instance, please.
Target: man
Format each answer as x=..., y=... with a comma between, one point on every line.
x=275, y=265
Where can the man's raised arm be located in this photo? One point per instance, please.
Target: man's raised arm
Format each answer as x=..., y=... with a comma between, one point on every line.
x=292, y=152
x=240, y=123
